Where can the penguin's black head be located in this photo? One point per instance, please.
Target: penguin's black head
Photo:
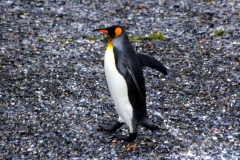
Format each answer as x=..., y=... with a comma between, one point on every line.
x=113, y=31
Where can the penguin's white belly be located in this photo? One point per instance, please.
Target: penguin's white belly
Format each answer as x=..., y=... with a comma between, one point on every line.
x=118, y=89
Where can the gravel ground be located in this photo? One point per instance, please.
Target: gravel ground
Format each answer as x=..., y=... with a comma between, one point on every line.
x=53, y=90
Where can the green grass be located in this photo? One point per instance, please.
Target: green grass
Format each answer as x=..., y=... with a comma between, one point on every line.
x=133, y=39
x=40, y=39
x=219, y=33
x=154, y=36
x=91, y=38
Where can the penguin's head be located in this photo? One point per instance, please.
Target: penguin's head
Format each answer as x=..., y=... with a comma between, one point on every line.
x=113, y=31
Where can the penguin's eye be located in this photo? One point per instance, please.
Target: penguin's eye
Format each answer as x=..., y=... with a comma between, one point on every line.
x=118, y=31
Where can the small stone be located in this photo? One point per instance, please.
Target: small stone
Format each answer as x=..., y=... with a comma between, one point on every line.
x=114, y=141
x=130, y=148
x=143, y=5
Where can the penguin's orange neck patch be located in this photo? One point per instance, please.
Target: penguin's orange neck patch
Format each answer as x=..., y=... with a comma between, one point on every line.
x=110, y=45
x=118, y=31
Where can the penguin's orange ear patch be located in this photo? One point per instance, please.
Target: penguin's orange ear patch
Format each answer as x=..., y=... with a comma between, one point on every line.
x=118, y=31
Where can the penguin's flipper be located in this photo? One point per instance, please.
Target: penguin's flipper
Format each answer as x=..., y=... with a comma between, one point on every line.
x=110, y=127
x=135, y=81
x=149, y=125
x=124, y=67
x=151, y=62
x=130, y=138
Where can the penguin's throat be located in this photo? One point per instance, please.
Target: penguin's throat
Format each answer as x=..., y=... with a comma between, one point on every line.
x=110, y=45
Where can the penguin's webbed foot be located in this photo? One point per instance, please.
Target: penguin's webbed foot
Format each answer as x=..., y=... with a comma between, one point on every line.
x=152, y=127
x=130, y=138
x=110, y=127
x=149, y=125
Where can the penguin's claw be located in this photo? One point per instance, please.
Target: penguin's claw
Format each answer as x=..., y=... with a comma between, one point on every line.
x=130, y=138
x=110, y=127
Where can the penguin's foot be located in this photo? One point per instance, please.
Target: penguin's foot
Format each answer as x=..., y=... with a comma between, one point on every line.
x=111, y=127
x=130, y=138
x=149, y=125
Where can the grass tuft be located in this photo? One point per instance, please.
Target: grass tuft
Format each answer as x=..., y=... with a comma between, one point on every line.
x=91, y=38
x=154, y=36
x=67, y=40
x=40, y=39
x=219, y=33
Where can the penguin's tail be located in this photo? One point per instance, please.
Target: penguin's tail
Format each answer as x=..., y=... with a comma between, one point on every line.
x=149, y=125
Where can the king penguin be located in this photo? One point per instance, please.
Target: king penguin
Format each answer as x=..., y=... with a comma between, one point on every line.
x=124, y=75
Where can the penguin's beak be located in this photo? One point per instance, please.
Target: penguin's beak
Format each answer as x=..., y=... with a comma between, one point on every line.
x=101, y=30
